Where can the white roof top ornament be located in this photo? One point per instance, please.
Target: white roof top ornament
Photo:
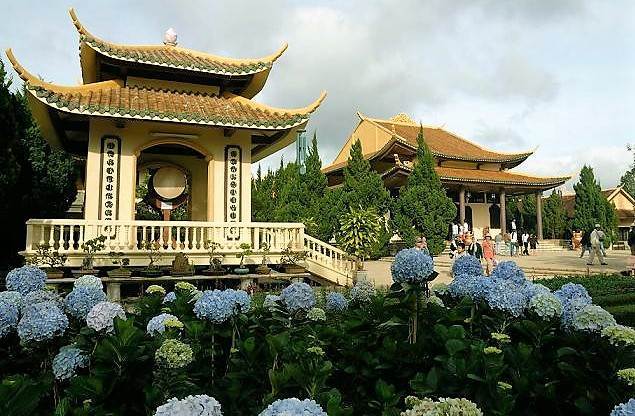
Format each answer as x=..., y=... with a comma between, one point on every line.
x=169, y=38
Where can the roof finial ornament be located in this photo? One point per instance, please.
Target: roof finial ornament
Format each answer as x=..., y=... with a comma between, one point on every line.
x=402, y=118
x=169, y=38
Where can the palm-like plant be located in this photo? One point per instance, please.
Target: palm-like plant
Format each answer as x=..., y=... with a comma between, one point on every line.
x=359, y=231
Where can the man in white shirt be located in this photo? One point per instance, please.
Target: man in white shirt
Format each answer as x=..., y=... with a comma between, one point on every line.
x=455, y=229
x=525, y=239
x=597, y=237
x=513, y=224
x=513, y=243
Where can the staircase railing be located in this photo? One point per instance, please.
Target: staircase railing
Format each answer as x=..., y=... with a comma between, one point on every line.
x=328, y=262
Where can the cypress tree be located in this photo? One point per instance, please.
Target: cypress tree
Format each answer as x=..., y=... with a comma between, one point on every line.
x=554, y=218
x=423, y=208
x=590, y=205
x=363, y=186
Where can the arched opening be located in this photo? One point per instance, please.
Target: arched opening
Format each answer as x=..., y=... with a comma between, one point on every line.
x=171, y=183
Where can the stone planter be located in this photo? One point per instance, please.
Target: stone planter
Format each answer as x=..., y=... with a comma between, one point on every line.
x=213, y=272
x=82, y=272
x=120, y=272
x=54, y=273
x=152, y=272
x=241, y=270
x=293, y=268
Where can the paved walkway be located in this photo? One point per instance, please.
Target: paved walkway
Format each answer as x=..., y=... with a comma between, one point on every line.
x=544, y=264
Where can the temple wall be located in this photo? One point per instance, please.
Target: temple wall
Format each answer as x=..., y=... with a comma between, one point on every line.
x=372, y=138
x=138, y=134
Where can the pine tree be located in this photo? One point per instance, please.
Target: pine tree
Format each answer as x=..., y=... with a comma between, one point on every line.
x=628, y=180
x=554, y=218
x=590, y=205
x=423, y=208
x=363, y=186
x=36, y=181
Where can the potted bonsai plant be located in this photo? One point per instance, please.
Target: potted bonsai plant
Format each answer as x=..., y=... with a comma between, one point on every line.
x=358, y=234
x=117, y=258
x=262, y=267
x=45, y=255
x=181, y=266
x=154, y=254
x=215, y=261
x=291, y=260
x=246, y=251
x=90, y=247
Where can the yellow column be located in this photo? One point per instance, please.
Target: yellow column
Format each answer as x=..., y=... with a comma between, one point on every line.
x=210, y=188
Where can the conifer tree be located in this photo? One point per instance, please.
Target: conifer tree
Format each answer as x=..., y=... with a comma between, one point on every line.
x=554, y=216
x=423, y=208
x=363, y=186
x=590, y=205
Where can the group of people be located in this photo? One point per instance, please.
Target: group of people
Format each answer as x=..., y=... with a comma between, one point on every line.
x=467, y=245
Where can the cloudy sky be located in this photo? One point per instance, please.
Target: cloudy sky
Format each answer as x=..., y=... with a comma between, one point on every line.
x=558, y=75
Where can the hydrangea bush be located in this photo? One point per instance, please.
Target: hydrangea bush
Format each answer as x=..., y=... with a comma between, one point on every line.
x=336, y=302
x=466, y=266
x=42, y=296
x=9, y=314
x=41, y=322
x=199, y=405
x=156, y=325
x=82, y=299
x=293, y=407
x=26, y=279
x=411, y=266
x=218, y=306
x=89, y=280
x=298, y=297
x=102, y=316
x=174, y=354
x=12, y=297
x=362, y=292
x=67, y=361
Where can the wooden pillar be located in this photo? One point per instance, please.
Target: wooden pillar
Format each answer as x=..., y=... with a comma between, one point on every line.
x=539, y=215
x=503, y=214
x=462, y=205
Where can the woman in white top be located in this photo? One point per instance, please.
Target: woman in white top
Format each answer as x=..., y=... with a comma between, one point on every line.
x=525, y=238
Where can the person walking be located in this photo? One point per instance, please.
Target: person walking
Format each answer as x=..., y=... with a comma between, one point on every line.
x=475, y=249
x=498, y=244
x=524, y=243
x=585, y=243
x=533, y=244
x=513, y=243
x=456, y=247
x=596, y=238
x=455, y=229
x=488, y=254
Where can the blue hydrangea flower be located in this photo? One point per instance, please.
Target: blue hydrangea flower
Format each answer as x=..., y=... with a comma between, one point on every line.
x=592, y=318
x=200, y=405
x=26, y=279
x=12, y=297
x=82, y=299
x=571, y=291
x=480, y=288
x=293, y=407
x=101, y=317
x=411, y=266
x=336, y=302
x=546, y=305
x=89, y=281
x=271, y=301
x=362, y=292
x=508, y=296
x=41, y=322
x=461, y=286
x=169, y=298
x=298, y=297
x=8, y=318
x=215, y=306
x=508, y=270
x=67, y=361
x=624, y=409
x=156, y=325
x=241, y=298
x=42, y=296
x=467, y=266
x=535, y=288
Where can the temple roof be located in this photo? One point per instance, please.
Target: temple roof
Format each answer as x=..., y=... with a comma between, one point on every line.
x=464, y=176
x=444, y=144
x=113, y=99
x=170, y=57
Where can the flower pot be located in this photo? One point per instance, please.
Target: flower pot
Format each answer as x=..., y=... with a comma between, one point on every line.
x=54, y=273
x=263, y=269
x=241, y=270
x=84, y=272
x=293, y=268
x=120, y=272
x=214, y=272
x=152, y=272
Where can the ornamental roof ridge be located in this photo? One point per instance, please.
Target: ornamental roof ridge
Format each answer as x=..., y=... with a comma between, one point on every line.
x=198, y=61
x=219, y=110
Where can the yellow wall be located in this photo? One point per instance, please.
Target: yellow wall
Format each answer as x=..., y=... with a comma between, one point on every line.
x=137, y=134
x=372, y=138
x=622, y=202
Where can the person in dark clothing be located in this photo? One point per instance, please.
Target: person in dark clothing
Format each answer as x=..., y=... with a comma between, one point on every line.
x=519, y=242
x=631, y=239
x=475, y=249
x=533, y=244
x=585, y=244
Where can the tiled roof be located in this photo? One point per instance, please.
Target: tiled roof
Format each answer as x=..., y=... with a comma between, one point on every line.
x=443, y=143
x=497, y=177
x=113, y=99
x=174, y=56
